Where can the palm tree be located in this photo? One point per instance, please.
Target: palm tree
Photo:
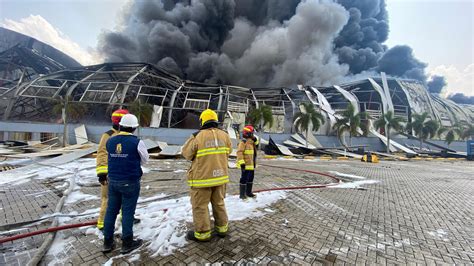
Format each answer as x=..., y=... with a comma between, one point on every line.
x=68, y=110
x=422, y=127
x=74, y=111
x=451, y=133
x=308, y=116
x=351, y=122
x=387, y=122
x=467, y=131
x=143, y=111
x=261, y=117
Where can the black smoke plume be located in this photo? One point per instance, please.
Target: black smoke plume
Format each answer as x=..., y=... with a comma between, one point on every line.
x=461, y=98
x=436, y=84
x=360, y=43
x=400, y=62
x=260, y=42
x=245, y=42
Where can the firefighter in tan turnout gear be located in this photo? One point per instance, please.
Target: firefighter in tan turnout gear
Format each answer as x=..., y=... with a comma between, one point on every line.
x=101, y=163
x=209, y=150
x=247, y=161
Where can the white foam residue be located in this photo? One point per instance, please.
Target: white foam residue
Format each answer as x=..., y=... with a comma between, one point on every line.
x=440, y=233
x=240, y=210
x=356, y=184
x=19, y=182
x=159, y=196
x=347, y=175
x=14, y=178
x=135, y=257
x=163, y=223
x=60, y=248
x=145, y=170
x=56, y=172
x=179, y=171
x=76, y=196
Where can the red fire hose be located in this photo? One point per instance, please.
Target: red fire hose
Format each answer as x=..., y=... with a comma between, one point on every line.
x=48, y=230
x=69, y=226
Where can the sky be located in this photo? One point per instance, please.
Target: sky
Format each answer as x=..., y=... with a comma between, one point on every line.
x=441, y=32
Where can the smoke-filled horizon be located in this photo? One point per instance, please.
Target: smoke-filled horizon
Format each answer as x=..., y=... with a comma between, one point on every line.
x=260, y=43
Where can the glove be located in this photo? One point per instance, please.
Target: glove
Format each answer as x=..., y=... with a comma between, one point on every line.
x=242, y=166
x=254, y=138
x=102, y=179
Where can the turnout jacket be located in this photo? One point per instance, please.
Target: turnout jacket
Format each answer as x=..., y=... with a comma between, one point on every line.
x=102, y=157
x=247, y=153
x=209, y=150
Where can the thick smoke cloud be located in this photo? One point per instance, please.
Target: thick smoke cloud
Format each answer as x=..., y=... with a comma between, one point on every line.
x=399, y=61
x=261, y=42
x=248, y=42
x=436, y=84
x=360, y=43
x=461, y=98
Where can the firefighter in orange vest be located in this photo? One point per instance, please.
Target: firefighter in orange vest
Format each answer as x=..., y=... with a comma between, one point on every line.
x=208, y=149
x=101, y=164
x=247, y=160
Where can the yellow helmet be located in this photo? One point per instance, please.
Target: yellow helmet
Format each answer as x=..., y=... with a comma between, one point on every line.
x=207, y=116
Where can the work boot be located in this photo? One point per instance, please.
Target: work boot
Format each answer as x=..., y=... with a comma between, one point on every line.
x=109, y=245
x=219, y=234
x=128, y=244
x=248, y=191
x=243, y=187
x=191, y=236
x=136, y=220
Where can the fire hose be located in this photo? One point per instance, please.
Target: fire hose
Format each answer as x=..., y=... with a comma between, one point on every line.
x=90, y=223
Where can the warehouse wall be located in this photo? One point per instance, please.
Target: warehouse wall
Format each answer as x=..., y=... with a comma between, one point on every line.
x=176, y=136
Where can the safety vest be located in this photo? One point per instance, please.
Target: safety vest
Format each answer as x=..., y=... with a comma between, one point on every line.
x=124, y=159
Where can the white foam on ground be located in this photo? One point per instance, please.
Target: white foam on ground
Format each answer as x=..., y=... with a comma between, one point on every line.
x=164, y=231
x=356, y=184
x=179, y=171
x=77, y=196
x=60, y=248
x=347, y=175
x=440, y=233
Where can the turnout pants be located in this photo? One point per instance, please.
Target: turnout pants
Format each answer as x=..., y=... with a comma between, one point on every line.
x=104, y=190
x=247, y=177
x=200, y=198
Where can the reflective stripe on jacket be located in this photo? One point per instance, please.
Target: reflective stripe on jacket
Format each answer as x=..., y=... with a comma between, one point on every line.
x=102, y=160
x=209, y=151
x=246, y=153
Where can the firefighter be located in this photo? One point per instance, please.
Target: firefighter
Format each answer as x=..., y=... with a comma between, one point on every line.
x=208, y=150
x=101, y=163
x=247, y=160
x=126, y=154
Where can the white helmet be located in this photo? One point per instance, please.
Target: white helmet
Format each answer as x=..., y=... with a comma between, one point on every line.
x=129, y=120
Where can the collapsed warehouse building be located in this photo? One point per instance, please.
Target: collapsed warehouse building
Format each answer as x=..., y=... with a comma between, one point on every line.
x=36, y=87
x=102, y=88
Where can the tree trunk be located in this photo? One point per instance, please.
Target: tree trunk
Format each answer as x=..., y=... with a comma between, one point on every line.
x=388, y=141
x=307, y=138
x=65, y=131
x=350, y=139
